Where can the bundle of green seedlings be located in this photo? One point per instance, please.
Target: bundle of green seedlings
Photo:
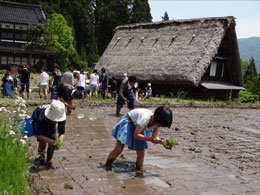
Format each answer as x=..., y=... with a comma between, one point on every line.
x=169, y=143
x=58, y=143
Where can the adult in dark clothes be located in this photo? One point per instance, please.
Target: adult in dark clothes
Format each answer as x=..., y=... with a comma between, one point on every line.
x=66, y=94
x=25, y=81
x=113, y=89
x=55, y=81
x=128, y=93
x=103, y=82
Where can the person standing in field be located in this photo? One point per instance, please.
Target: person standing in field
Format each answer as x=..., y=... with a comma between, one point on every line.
x=68, y=78
x=128, y=93
x=94, y=83
x=43, y=83
x=113, y=89
x=103, y=83
x=55, y=81
x=81, y=83
x=25, y=81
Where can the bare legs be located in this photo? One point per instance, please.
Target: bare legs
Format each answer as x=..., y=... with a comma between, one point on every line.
x=43, y=91
x=114, y=153
x=118, y=150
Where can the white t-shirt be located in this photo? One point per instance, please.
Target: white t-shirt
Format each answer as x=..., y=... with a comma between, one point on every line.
x=44, y=78
x=81, y=80
x=94, y=78
x=140, y=116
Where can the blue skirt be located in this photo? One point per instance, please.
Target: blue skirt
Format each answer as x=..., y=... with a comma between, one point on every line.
x=124, y=132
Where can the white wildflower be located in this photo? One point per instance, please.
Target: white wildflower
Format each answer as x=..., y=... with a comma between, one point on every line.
x=11, y=132
x=23, y=141
x=14, y=111
x=22, y=115
x=22, y=105
x=25, y=137
x=25, y=132
x=23, y=111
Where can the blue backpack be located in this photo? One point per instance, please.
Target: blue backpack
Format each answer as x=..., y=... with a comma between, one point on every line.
x=27, y=125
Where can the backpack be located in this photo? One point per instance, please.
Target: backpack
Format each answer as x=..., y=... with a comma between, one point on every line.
x=27, y=125
x=38, y=115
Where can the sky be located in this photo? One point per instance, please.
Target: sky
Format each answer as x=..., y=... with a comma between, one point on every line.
x=247, y=13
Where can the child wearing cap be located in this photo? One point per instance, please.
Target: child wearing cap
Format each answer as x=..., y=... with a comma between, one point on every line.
x=44, y=120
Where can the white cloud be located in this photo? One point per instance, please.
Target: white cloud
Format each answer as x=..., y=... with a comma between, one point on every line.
x=248, y=28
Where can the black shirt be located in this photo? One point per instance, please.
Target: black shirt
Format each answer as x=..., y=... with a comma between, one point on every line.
x=25, y=75
x=64, y=92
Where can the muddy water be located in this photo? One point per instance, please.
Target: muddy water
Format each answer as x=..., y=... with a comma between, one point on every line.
x=218, y=154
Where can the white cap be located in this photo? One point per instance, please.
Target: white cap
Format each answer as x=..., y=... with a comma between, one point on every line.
x=125, y=74
x=149, y=85
x=56, y=111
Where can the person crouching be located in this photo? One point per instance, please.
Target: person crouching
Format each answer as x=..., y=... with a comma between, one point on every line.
x=44, y=122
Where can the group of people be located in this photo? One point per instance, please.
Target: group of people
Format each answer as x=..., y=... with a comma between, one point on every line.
x=133, y=128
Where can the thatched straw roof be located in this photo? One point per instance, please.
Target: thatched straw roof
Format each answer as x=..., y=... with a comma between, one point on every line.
x=166, y=52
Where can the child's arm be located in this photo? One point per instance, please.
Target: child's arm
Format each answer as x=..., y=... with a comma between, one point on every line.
x=139, y=136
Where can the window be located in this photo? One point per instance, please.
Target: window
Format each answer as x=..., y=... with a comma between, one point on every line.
x=24, y=60
x=213, y=68
x=10, y=59
x=4, y=60
x=20, y=36
x=17, y=60
x=10, y=35
x=36, y=61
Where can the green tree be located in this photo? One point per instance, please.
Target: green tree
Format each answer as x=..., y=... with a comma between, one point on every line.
x=38, y=37
x=109, y=15
x=141, y=11
x=165, y=17
x=61, y=40
x=251, y=79
x=244, y=65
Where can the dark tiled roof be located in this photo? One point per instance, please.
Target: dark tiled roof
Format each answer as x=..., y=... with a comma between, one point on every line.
x=21, y=13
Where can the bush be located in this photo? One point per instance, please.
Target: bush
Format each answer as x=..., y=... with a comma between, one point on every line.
x=247, y=97
x=3, y=71
x=14, y=153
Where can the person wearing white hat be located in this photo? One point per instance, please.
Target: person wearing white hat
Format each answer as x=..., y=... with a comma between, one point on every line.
x=44, y=123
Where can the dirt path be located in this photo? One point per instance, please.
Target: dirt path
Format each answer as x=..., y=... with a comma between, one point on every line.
x=219, y=153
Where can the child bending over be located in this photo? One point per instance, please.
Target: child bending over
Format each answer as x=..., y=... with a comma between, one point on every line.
x=132, y=130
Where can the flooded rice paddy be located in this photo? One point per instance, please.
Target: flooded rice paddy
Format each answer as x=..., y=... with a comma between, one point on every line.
x=218, y=153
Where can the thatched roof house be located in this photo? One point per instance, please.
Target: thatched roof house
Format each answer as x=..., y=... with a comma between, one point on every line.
x=183, y=52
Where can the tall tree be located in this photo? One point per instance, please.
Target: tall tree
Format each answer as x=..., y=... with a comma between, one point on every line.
x=244, y=65
x=61, y=39
x=109, y=15
x=141, y=11
x=251, y=79
x=165, y=17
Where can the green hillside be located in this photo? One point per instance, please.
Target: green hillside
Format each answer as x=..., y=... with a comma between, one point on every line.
x=249, y=47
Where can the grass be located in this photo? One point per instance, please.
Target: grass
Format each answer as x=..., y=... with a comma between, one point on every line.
x=14, y=154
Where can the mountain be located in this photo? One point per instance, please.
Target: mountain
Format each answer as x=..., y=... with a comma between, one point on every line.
x=249, y=47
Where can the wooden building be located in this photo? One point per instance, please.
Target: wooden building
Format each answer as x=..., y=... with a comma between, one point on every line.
x=14, y=21
x=197, y=56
